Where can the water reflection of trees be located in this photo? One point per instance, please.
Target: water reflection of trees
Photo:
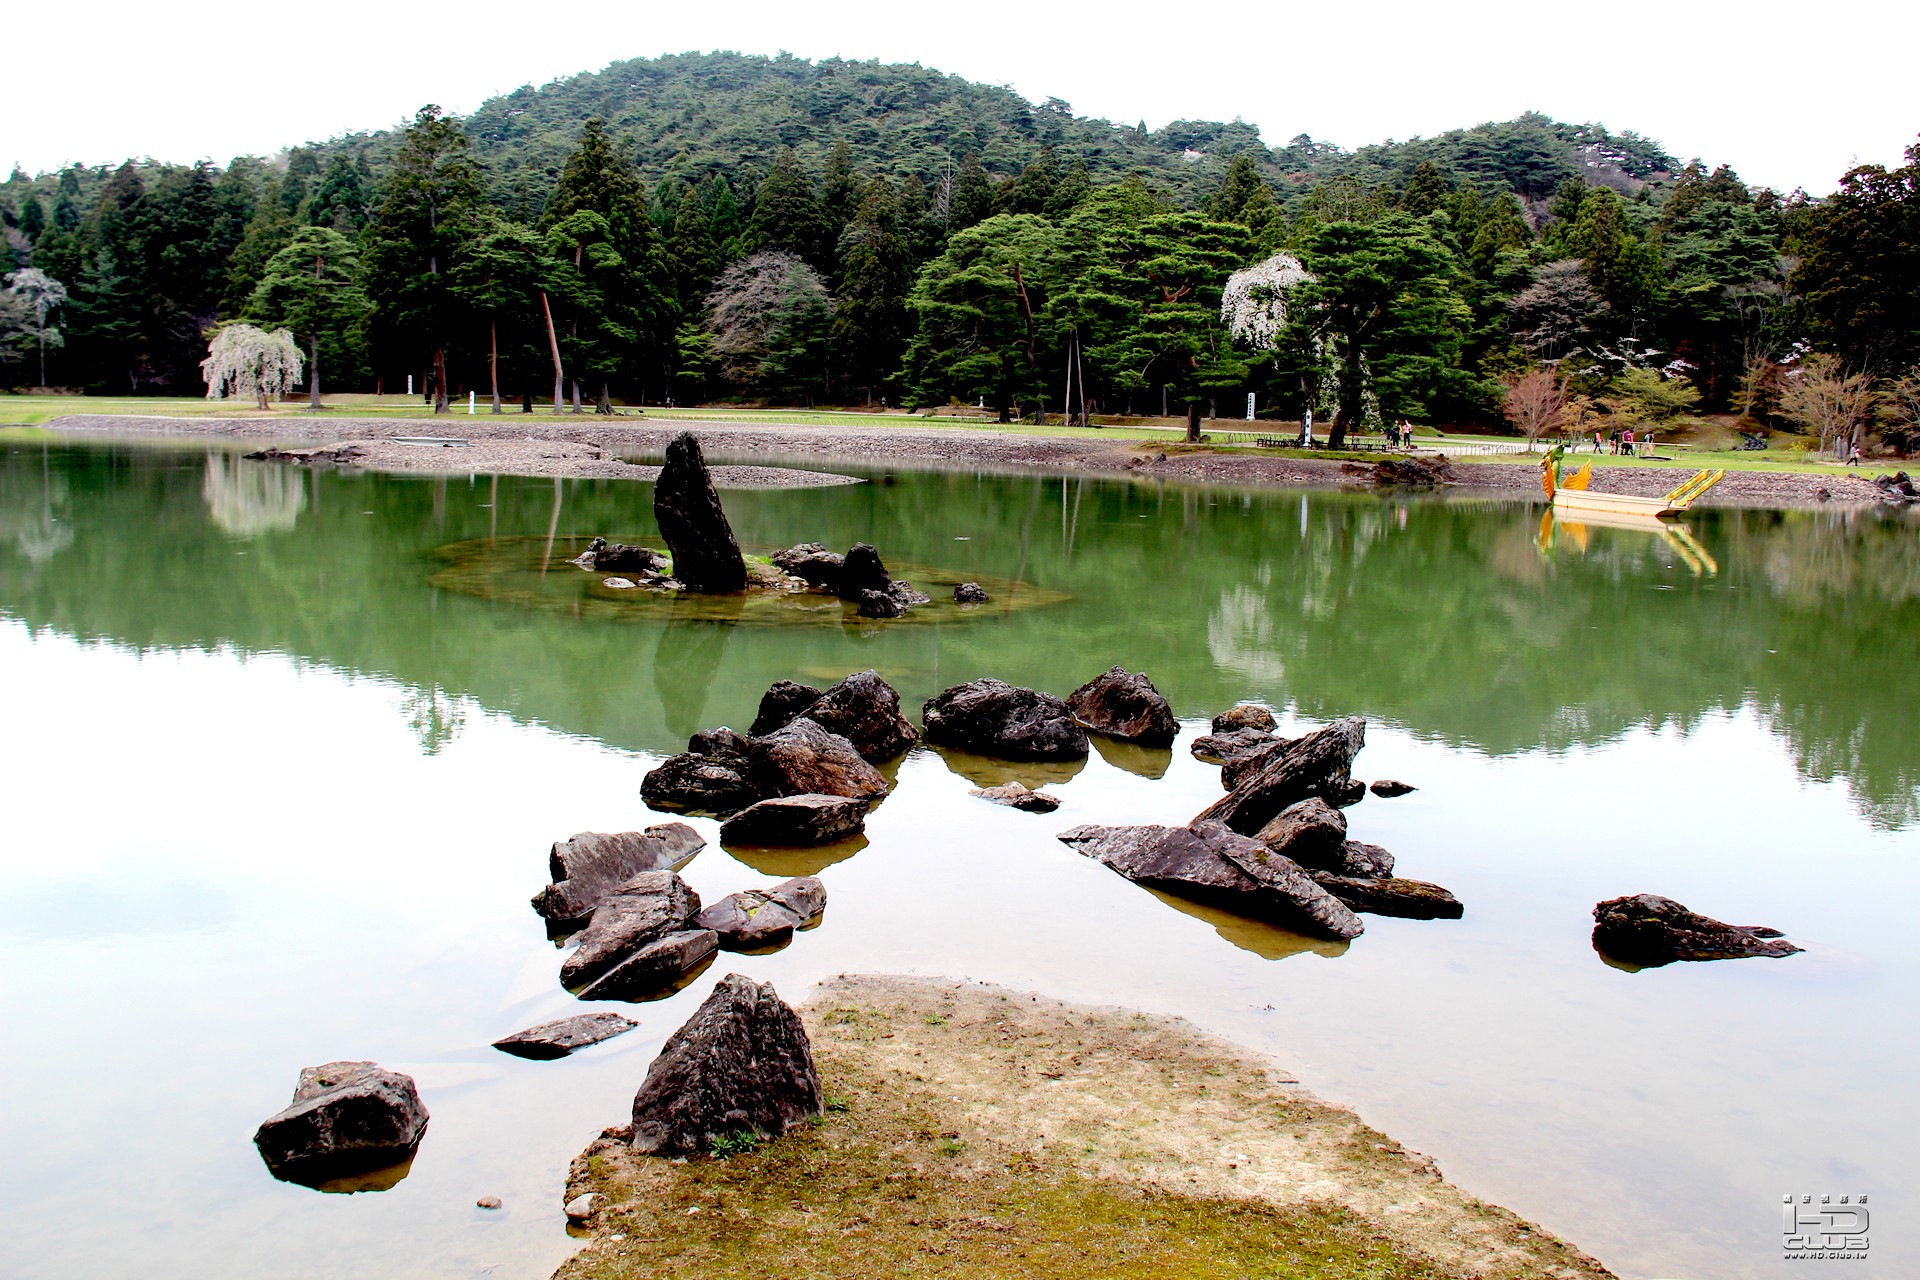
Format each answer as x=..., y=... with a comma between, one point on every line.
x=251, y=498
x=1437, y=616
x=29, y=498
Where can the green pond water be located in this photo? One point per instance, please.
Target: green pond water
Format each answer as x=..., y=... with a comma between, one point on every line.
x=284, y=752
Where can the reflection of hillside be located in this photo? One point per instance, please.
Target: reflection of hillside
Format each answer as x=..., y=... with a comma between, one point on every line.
x=251, y=498
x=1418, y=612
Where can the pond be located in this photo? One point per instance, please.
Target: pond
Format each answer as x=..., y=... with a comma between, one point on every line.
x=284, y=752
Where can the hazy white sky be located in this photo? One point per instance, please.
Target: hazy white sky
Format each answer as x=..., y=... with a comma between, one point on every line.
x=1789, y=94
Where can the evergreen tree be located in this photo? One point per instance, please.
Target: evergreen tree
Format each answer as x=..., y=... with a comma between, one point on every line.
x=507, y=279
x=340, y=197
x=694, y=257
x=1426, y=191
x=1073, y=188
x=870, y=321
x=979, y=311
x=971, y=200
x=841, y=192
x=786, y=216
x=312, y=287
x=1239, y=186
x=427, y=222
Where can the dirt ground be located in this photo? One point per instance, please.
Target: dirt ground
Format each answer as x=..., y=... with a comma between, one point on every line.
x=973, y=1130
x=539, y=445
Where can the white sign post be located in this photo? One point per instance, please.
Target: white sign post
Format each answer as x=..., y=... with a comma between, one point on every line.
x=470, y=404
x=1249, y=406
x=409, y=384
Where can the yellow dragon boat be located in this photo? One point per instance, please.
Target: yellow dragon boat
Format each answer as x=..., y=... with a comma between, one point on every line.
x=1571, y=494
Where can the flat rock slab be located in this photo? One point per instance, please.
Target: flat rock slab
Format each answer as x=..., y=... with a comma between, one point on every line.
x=756, y=919
x=588, y=867
x=796, y=822
x=1268, y=781
x=1391, y=896
x=992, y=718
x=1124, y=704
x=552, y=1040
x=1649, y=931
x=644, y=909
x=741, y=1064
x=654, y=968
x=345, y=1118
x=1208, y=863
x=1016, y=796
x=1223, y=746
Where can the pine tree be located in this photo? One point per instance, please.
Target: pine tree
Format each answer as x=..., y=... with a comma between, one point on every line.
x=340, y=198
x=972, y=199
x=312, y=287
x=870, y=323
x=1239, y=186
x=1426, y=190
x=786, y=215
x=427, y=222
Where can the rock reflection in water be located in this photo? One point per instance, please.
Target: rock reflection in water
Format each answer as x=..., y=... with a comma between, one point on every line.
x=785, y=864
x=688, y=656
x=991, y=771
x=247, y=499
x=383, y=1179
x=1269, y=942
x=1146, y=762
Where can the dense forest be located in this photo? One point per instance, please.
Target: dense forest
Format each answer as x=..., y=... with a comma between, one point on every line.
x=720, y=227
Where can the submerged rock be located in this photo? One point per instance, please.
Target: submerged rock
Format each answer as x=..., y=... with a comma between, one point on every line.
x=643, y=910
x=618, y=557
x=1016, y=796
x=796, y=821
x=552, y=1040
x=863, y=708
x=1391, y=896
x=1388, y=788
x=1124, y=704
x=993, y=718
x=1244, y=715
x=1208, y=863
x=709, y=777
x=345, y=1118
x=1649, y=931
x=760, y=918
x=813, y=564
x=1320, y=764
x=706, y=557
x=784, y=702
x=591, y=865
x=1225, y=748
x=802, y=758
x=655, y=967
x=970, y=593
x=740, y=1064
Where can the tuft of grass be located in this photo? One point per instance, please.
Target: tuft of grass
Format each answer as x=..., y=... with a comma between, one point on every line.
x=729, y=1145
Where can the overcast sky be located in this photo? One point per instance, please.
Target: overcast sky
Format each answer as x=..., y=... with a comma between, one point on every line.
x=1788, y=94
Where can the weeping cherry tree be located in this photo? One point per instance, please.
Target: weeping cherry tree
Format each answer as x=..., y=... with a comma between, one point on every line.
x=245, y=361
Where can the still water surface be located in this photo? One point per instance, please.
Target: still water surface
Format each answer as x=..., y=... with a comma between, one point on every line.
x=283, y=753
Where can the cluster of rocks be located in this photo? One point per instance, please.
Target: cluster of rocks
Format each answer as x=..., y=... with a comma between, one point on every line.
x=859, y=577
x=1411, y=473
x=1276, y=846
x=1646, y=931
x=1897, y=488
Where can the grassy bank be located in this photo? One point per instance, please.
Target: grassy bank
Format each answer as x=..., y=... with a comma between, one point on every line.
x=971, y=1131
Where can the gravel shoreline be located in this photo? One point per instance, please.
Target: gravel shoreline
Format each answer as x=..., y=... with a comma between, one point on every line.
x=515, y=445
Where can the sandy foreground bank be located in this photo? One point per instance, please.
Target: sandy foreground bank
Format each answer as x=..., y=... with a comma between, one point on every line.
x=568, y=446
x=975, y=1130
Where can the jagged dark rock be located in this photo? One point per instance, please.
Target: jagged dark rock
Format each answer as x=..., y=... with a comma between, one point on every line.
x=862, y=570
x=1649, y=931
x=709, y=777
x=1016, y=796
x=813, y=564
x=655, y=967
x=552, y=1040
x=1416, y=473
x=1208, y=863
x=1230, y=745
x=618, y=557
x=1320, y=764
x=796, y=821
x=1245, y=715
x=863, y=709
x=740, y=1064
x=591, y=865
x=761, y=918
x=784, y=702
x=1346, y=794
x=802, y=758
x=1357, y=858
x=643, y=910
x=1897, y=487
x=1124, y=704
x=1390, y=896
x=993, y=718
x=881, y=604
x=706, y=558
x=970, y=593
x=1388, y=788
x=1310, y=832
x=345, y=1118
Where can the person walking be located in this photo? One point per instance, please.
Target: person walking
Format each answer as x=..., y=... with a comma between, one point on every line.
x=1853, y=457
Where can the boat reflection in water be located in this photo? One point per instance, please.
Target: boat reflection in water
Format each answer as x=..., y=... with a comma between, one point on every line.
x=1577, y=529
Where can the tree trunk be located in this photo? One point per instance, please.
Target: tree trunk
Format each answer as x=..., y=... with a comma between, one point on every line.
x=493, y=359
x=1005, y=403
x=440, y=379
x=313, y=373
x=553, y=342
x=576, y=393
x=604, y=405
x=1193, y=422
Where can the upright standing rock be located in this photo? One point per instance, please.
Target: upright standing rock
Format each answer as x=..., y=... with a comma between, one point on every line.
x=741, y=1064
x=688, y=511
